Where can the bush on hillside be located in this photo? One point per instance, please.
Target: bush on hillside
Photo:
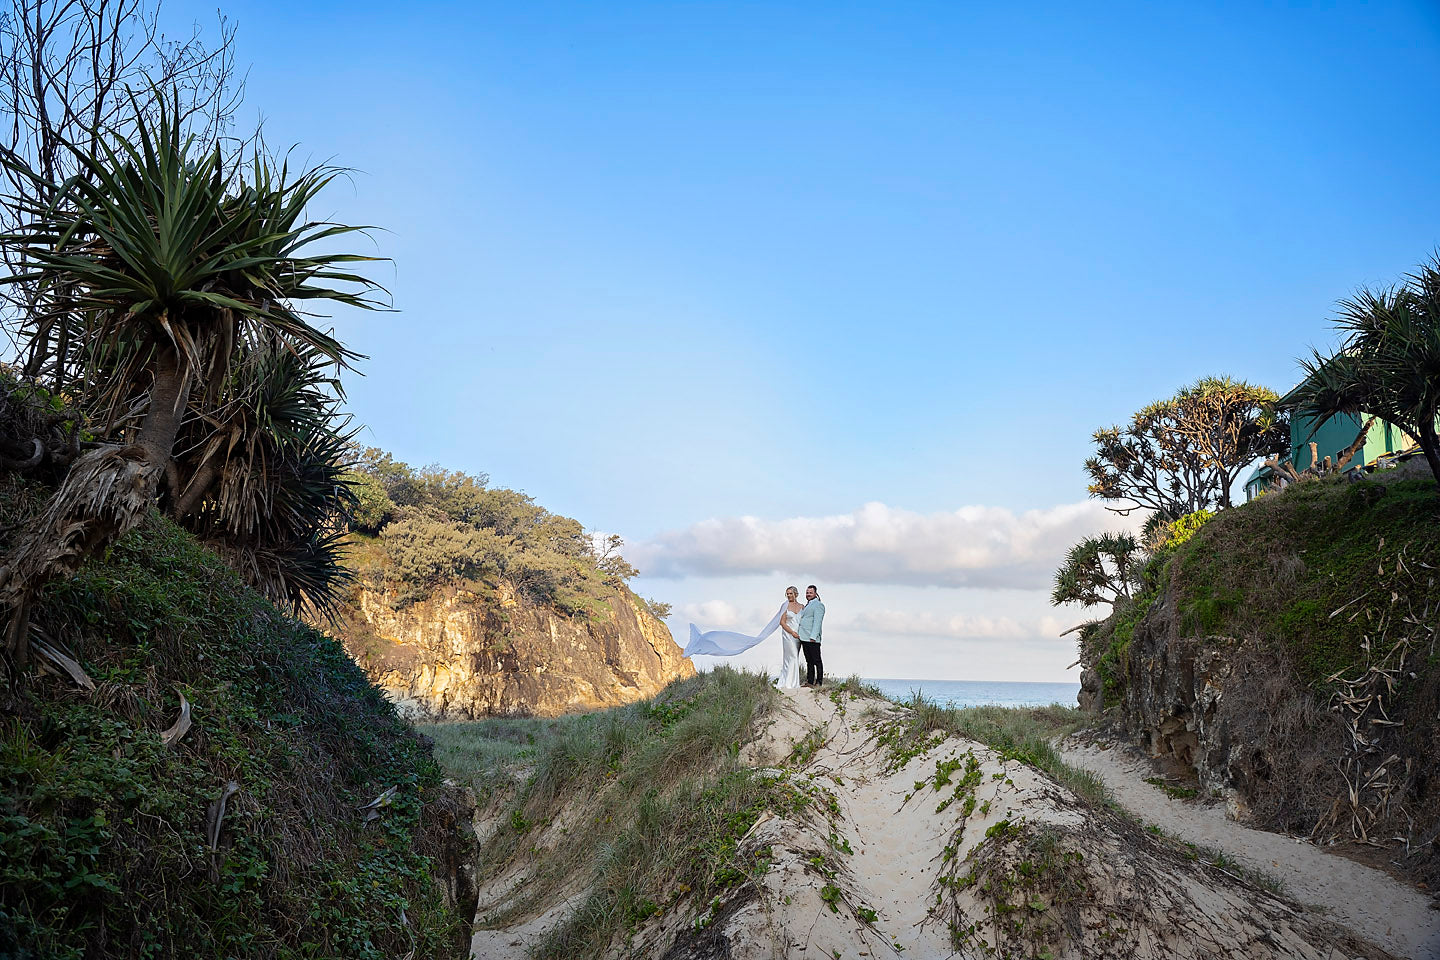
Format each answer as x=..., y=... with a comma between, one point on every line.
x=372, y=508
x=437, y=528
x=425, y=553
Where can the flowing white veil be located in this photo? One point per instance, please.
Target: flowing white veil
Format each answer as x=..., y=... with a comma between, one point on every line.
x=725, y=643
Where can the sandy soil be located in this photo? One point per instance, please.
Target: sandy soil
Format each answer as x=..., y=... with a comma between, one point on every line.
x=872, y=839
x=1367, y=901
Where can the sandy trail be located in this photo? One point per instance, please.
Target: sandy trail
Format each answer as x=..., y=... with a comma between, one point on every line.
x=1367, y=901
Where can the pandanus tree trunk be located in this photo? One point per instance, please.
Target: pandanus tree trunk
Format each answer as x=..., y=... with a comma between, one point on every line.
x=1431, y=447
x=104, y=495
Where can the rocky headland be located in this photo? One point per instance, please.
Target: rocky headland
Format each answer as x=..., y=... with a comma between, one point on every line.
x=459, y=655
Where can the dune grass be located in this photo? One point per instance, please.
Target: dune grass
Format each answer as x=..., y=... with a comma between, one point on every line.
x=635, y=808
x=639, y=808
x=1028, y=734
x=490, y=754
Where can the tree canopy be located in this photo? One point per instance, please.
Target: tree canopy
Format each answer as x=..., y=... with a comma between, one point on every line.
x=434, y=527
x=1183, y=454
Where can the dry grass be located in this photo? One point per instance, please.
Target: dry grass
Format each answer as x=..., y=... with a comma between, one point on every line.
x=639, y=807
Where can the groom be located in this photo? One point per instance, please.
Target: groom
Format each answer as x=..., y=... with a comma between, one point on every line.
x=811, y=619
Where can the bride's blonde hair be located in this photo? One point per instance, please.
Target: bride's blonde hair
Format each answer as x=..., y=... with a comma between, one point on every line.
x=796, y=589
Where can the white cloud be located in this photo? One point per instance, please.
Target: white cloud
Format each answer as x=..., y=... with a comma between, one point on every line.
x=969, y=547
x=909, y=623
x=715, y=614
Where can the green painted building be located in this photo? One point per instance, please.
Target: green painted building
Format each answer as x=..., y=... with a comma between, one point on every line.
x=1331, y=440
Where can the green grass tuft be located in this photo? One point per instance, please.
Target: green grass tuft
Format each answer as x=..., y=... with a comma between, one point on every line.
x=1026, y=734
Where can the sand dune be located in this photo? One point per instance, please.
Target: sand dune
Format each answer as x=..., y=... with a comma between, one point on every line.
x=955, y=852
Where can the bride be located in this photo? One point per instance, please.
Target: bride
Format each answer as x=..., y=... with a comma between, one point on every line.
x=790, y=642
x=727, y=643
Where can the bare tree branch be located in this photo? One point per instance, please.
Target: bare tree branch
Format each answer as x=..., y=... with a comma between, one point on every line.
x=69, y=70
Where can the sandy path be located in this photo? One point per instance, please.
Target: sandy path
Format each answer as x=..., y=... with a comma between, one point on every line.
x=1370, y=902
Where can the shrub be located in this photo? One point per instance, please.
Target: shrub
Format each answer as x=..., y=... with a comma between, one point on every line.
x=373, y=508
x=422, y=553
x=1181, y=530
x=439, y=527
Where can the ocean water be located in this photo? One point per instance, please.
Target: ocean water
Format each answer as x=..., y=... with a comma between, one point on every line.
x=981, y=693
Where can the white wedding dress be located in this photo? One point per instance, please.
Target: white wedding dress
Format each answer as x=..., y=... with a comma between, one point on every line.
x=790, y=652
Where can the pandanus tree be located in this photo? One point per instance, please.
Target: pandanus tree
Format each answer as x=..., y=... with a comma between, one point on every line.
x=1184, y=454
x=1388, y=364
x=263, y=476
x=176, y=260
x=1097, y=570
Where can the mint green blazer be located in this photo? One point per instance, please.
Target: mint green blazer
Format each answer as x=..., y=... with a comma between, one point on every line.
x=810, y=620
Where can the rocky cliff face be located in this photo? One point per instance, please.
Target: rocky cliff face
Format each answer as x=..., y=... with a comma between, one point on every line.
x=1228, y=711
x=458, y=656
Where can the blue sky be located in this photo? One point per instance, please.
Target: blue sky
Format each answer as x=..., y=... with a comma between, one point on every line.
x=664, y=264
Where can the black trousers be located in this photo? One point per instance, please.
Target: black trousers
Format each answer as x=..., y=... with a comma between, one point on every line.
x=814, y=669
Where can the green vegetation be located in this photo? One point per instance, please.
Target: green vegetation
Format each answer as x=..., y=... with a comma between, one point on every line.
x=1317, y=547
x=1318, y=601
x=490, y=753
x=806, y=747
x=1218, y=858
x=1171, y=790
x=1183, y=454
x=1097, y=570
x=647, y=803
x=1026, y=734
x=1322, y=549
x=420, y=530
x=165, y=276
x=104, y=843
x=1030, y=880
x=1178, y=532
x=193, y=773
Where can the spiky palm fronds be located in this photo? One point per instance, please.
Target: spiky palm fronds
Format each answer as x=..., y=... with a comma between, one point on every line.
x=264, y=474
x=173, y=262
x=157, y=250
x=273, y=401
x=1388, y=363
x=1098, y=570
x=294, y=551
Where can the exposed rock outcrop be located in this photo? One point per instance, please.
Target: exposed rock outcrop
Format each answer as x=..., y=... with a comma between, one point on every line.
x=460, y=656
x=1229, y=711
